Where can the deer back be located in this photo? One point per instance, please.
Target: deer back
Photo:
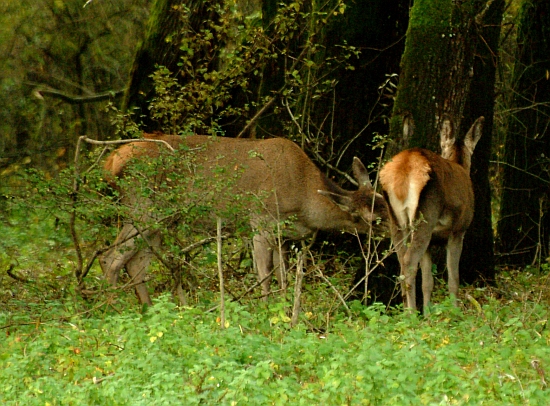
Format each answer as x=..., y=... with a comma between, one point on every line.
x=276, y=170
x=418, y=182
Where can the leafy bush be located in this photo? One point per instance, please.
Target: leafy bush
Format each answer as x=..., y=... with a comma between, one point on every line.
x=59, y=349
x=176, y=355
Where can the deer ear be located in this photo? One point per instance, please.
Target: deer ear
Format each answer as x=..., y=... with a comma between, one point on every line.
x=341, y=201
x=360, y=173
x=447, y=138
x=474, y=134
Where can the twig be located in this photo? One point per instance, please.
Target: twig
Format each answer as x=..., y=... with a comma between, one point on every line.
x=90, y=263
x=275, y=95
x=220, y=270
x=269, y=275
x=72, y=219
x=298, y=289
x=318, y=157
x=256, y=116
x=115, y=142
x=324, y=278
x=14, y=276
x=525, y=171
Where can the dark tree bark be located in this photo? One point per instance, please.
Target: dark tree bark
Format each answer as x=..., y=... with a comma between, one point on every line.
x=439, y=69
x=166, y=27
x=357, y=108
x=524, y=224
x=347, y=116
x=477, y=262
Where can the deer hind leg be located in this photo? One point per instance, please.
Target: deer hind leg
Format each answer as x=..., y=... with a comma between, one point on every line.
x=454, y=250
x=122, y=251
x=427, y=279
x=400, y=241
x=137, y=268
x=416, y=250
x=263, y=258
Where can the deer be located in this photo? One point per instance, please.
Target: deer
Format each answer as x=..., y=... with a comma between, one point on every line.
x=430, y=199
x=276, y=172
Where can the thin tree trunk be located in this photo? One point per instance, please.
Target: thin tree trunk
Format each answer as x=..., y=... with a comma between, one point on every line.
x=477, y=262
x=524, y=224
x=219, y=240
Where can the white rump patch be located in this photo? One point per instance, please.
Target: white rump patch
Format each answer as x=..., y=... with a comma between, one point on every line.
x=405, y=210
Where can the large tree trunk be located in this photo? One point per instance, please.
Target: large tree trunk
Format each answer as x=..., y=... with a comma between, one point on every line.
x=524, y=224
x=477, y=262
x=437, y=68
x=437, y=72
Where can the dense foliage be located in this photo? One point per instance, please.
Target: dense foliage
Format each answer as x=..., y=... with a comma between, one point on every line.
x=61, y=349
x=77, y=354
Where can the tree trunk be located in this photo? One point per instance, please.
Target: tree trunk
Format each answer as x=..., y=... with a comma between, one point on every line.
x=437, y=70
x=437, y=67
x=524, y=224
x=161, y=47
x=477, y=262
x=357, y=107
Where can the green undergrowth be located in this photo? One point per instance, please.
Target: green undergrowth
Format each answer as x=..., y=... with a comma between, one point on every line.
x=494, y=354
x=58, y=349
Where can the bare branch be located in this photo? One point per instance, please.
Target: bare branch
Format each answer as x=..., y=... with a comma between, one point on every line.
x=18, y=278
x=39, y=93
x=96, y=142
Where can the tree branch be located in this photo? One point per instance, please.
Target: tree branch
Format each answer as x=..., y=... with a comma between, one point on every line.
x=39, y=93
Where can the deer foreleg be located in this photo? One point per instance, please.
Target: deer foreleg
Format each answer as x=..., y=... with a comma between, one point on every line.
x=427, y=279
x=263, y=258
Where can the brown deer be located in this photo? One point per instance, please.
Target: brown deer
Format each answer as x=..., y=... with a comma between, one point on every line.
x=276, y=172
x=430, y=198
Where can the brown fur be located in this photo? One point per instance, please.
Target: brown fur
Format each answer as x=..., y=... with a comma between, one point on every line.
x=277, y=170
x=430, y=197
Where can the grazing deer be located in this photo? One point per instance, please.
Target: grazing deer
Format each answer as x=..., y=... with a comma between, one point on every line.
x=430, y=197
x=287, y=184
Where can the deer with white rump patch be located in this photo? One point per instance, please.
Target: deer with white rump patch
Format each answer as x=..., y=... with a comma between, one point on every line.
x=430, y=198
x=275, y=171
